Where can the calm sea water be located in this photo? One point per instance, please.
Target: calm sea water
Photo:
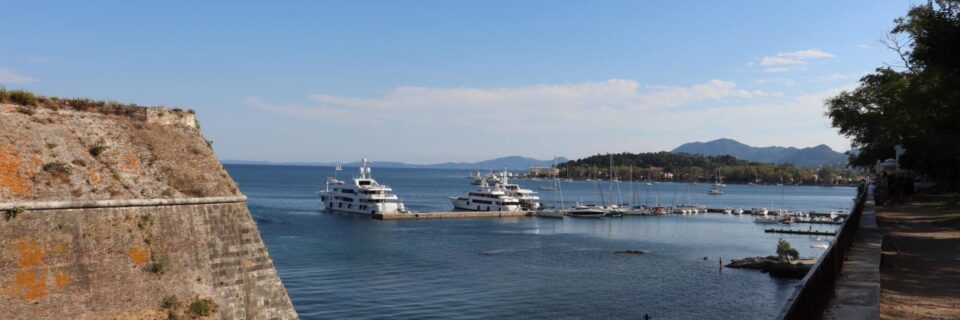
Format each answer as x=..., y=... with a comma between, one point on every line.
x=342, y=266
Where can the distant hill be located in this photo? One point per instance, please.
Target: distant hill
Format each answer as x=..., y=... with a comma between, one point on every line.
x=817, y=156
x=511, y=163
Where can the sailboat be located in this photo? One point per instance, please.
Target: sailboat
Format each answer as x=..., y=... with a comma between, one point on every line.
x=614, y=208
x=635, y=207
x=554, y=212
x=715, y=190
x=333, y=180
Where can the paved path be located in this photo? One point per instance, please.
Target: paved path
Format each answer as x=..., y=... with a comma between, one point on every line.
x=920, y=270
x=857, y=293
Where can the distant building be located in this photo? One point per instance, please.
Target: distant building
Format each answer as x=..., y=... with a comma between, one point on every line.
x=668, y=175
x=542, y=171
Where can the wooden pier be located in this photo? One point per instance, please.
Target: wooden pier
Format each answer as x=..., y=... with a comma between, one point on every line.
x=453, y=215
x=795, y=231
x=817, y=222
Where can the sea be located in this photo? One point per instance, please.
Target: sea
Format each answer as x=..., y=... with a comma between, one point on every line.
x=342, y=266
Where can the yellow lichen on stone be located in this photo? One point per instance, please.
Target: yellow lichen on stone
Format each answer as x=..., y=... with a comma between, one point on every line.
x=61, y=280
x=93, y=177
x=10, y=179
x=30, y=254
x=28, y=282
x=130, y=163
x=29, y=285
x=138, y=255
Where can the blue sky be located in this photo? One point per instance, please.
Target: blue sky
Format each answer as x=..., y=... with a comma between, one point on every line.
x=435, y=81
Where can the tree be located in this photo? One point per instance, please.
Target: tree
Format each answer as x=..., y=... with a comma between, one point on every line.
x=916, y=104
x=785, y=251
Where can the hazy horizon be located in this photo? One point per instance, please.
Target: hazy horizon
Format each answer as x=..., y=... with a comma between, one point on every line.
x=431, y=82
x=345, y=161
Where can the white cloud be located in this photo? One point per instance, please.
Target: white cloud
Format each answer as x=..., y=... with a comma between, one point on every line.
x=495, y=109
x=781, y=81
x=864, y=46
x=776, y=61
x=12, y=77
x=588, y=117
x=806, y=54
x=793, y=60
x=837, y=77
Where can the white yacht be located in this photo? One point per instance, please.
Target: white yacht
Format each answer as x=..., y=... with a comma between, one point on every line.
x=715, y=191
x=529, y=200
x=362, y=196
x=491, y=178
x=586, y=211
x=759, y=211
x=486, y=198
x=766, y=220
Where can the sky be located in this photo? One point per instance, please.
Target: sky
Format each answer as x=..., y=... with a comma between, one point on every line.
x=437, y=81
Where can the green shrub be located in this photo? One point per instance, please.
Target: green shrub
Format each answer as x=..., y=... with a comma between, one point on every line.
x=13, y=212
x=157, y=267
x=57, y=167
x=145, y=222
x=203, y=307
x=97, y=150
x=22, y=97
x=170, y=302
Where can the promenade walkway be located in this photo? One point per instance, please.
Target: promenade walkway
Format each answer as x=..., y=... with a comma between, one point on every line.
x=857, y=293
x=920, y=273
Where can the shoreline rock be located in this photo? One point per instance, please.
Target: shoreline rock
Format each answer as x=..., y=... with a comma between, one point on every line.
x=629, y=252
x=773, y=265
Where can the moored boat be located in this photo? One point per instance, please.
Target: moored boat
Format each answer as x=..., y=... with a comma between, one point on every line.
x=362, y=196
x=486, y=198
x=584, y=211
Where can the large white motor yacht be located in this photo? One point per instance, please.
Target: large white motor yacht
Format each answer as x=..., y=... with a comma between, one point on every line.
x=362, y=196
x=486, y=198
x=529, y=200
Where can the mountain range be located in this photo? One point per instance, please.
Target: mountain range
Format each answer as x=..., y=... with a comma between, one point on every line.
x=821, y=155
x=817, y=156
x=511, y=163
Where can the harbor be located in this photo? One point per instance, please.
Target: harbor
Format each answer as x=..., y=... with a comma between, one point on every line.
x=474, y=257
x=495, y=196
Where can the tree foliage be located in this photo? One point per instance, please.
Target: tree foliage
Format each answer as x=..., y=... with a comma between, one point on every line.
x=690, y=167
x=786, y=252
x=916, y=104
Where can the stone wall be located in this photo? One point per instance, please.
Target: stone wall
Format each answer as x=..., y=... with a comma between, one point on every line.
x=119, y=263
x=126, y=207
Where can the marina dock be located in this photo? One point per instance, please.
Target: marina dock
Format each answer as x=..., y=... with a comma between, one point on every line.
x=796, y=231
x=453, y=215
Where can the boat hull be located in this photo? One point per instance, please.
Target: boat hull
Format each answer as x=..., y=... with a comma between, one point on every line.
x=467, y=205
